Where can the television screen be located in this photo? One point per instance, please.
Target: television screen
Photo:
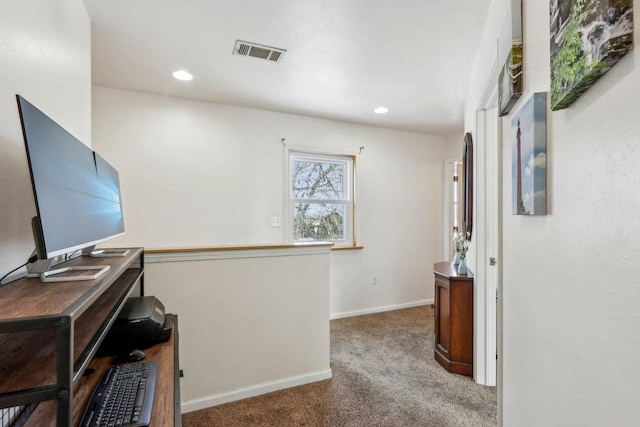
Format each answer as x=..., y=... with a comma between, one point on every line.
x=77, y=193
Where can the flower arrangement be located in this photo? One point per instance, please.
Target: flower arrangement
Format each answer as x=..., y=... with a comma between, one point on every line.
x=461, y=244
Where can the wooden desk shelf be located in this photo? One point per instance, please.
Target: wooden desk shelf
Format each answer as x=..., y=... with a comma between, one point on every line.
x=50, y=332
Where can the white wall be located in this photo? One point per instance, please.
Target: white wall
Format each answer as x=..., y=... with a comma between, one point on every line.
x=454, y=144
x=45, y=57
x=202, y=174
x=571, y=299
x=250, y=322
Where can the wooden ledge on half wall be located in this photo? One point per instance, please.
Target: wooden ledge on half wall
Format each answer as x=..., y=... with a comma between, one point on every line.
x=248, y=248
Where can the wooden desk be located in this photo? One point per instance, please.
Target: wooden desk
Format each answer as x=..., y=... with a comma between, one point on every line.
x=167, y=395
x=453, y=319
x=50, y=332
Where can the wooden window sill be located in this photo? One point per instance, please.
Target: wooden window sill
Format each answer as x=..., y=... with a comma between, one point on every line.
x=346, y=248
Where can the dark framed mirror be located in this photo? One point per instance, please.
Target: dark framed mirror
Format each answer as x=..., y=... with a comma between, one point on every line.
x=467, y=189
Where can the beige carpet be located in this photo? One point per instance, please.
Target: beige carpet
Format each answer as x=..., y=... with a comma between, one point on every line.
x=384, y=374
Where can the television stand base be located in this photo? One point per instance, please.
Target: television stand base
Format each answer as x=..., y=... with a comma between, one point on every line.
x=54, y=275
x=103, y=253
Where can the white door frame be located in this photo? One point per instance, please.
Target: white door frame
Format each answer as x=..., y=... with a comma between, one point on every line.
x=487, y=234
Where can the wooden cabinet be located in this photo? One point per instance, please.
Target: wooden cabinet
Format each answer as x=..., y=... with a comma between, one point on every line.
x=50, y=332
x=453, y=319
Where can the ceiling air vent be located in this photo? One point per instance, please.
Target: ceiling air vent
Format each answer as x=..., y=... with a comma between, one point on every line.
x=259, y=51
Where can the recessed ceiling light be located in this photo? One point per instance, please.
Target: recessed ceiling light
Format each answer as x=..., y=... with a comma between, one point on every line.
x=381, y=110
x=182, y=75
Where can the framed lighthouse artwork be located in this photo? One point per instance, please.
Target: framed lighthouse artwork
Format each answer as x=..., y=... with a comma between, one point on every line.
x=529, y=157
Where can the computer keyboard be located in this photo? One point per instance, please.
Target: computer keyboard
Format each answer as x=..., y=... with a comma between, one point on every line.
x=124, y=397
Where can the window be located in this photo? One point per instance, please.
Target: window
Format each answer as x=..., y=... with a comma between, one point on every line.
x=321, y=197
x=455, y=202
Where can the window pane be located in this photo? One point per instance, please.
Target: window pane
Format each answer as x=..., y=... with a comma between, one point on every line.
x=318, y=221
x=317, y=180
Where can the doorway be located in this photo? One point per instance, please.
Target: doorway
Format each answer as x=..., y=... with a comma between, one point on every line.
x=488, y=238
x=452, y=203
x=488, y=247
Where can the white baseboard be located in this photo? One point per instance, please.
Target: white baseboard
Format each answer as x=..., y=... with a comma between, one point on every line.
x=254, y=390
x=380, y=309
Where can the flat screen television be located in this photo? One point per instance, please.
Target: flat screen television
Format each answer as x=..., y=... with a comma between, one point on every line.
x=76, y=192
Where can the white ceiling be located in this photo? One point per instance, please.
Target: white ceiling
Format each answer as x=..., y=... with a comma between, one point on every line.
x=344, y=57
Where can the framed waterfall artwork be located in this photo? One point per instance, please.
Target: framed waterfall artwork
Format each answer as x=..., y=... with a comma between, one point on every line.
x=510, y=59
x=588, y=37
x=529, y=157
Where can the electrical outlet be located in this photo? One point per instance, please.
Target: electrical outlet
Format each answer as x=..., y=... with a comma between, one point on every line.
x=374, y=280
x=275, y=221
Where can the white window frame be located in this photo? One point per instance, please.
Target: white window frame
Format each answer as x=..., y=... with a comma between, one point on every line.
x=348, y=161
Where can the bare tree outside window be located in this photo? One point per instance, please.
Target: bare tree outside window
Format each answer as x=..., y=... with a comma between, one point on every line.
x=320, y=192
